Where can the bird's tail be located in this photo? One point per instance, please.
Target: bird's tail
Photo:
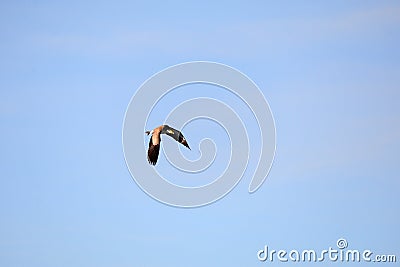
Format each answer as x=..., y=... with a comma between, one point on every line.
x=147, y=132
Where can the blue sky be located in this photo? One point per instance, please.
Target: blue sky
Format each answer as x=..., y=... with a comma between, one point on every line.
x=330, y=72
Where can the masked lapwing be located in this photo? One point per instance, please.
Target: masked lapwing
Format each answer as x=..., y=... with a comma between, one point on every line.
x=155, y=140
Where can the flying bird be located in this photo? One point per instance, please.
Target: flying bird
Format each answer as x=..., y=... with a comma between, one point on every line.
x=155, y=140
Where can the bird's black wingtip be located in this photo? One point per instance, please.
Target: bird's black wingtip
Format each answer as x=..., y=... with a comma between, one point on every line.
x=183, y=142
x=152, y=162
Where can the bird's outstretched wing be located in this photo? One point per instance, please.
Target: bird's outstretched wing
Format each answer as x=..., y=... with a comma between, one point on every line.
x=177, y=135
x=152, y=153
